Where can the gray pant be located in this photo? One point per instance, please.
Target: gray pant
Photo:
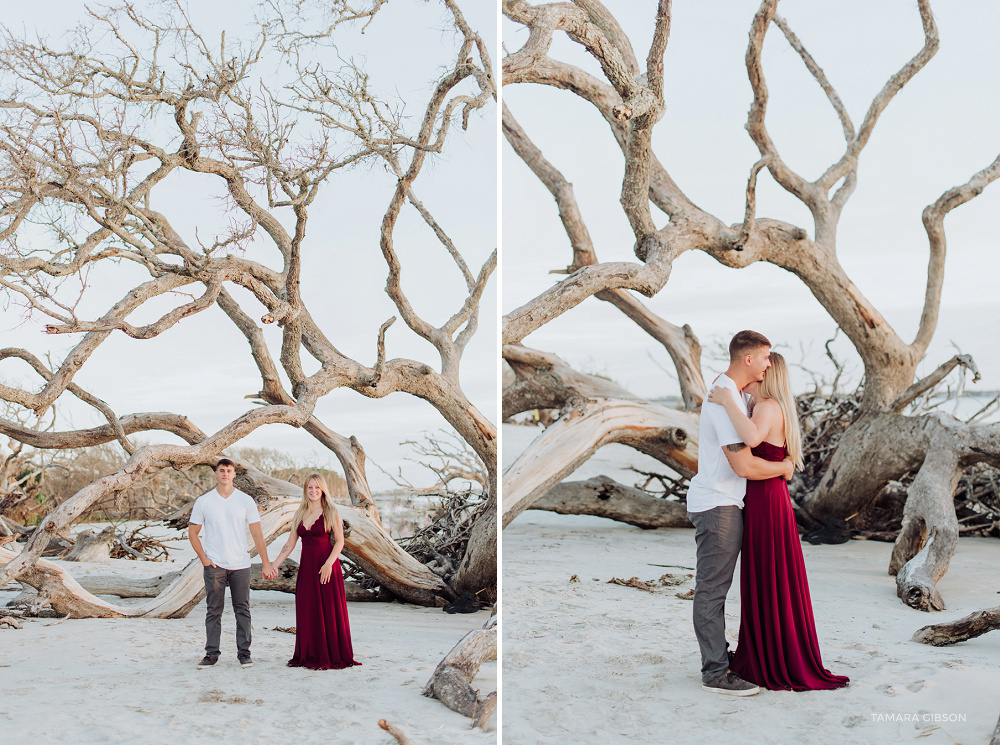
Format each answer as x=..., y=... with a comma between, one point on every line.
x=216, y=579
x=718, y=536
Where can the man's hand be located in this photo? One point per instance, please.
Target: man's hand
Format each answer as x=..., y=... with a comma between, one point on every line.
x=267, y=570
x=193, y=530
x=789, y=469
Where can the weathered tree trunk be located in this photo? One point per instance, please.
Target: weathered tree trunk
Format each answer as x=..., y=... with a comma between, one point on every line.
x=596, y=412
x=381, y=558
x=563, y=447
x=59, y=589
x=91, y=546
x=883, y=447
x=452, y=678
x=10, y=528
x=953, y=632
x=603, y=497
x=477, y=571
x=929, y=534
x=876, y=449
x=149, y=587
x=680, y=343
x=152, y=586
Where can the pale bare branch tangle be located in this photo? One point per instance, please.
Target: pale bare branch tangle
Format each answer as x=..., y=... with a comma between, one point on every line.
x=93, y=130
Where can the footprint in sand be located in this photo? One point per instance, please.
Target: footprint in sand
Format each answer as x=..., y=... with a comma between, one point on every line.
x=873, y=651
x=887, y=689
x=916, y=685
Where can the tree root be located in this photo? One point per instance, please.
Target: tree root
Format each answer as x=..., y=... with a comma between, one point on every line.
x=451, y=682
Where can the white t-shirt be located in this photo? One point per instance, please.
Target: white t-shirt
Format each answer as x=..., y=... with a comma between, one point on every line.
x=716, y=484
x=225, y=521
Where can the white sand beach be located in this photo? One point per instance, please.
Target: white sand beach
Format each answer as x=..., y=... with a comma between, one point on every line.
x=118, y=680
x=590, y=662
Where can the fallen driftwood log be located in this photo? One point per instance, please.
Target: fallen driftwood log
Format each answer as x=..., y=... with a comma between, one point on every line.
x=602, y=496
x=451, y=682
x=151, y=587
x=562, y=448
x=973, y=625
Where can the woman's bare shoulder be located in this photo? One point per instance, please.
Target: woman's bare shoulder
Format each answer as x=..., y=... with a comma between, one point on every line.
x=767, y=406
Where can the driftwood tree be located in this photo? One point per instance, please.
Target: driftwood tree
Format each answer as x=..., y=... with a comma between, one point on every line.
x=884, y=442
x=91, y=134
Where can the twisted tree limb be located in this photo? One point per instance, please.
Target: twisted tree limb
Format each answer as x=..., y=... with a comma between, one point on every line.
x=954, y=632
x=452, y=678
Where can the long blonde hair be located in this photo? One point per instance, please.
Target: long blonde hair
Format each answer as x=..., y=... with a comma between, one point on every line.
x=776, y=386
x=326, y=502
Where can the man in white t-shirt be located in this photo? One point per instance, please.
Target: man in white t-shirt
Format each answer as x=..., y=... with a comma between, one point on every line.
x=225, y=513
x=715, y=506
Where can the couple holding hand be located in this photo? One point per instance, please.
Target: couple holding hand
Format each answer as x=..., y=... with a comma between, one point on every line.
x=322, y=630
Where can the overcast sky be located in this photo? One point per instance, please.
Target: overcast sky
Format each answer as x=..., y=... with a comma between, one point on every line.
x=202, y=368
x=941, y=129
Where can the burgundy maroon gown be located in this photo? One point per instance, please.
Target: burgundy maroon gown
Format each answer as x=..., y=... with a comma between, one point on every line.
x=322, y=631
x=777, y=646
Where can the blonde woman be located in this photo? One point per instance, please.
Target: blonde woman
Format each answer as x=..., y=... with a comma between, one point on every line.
x=777, y=647
x=322, y=630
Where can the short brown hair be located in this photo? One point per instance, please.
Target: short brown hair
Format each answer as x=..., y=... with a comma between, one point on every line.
x=745, y=342
x=224, y=462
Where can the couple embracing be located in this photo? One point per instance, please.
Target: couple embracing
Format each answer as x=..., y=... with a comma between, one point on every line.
x=739, y=501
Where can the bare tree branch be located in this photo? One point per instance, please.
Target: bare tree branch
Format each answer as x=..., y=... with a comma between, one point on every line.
x=817, y=72
x=910, y=394
x=933, y=219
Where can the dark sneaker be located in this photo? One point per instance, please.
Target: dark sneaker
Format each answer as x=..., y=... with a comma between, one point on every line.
x=731, y=684
x=207, y=661
x=245, y=660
